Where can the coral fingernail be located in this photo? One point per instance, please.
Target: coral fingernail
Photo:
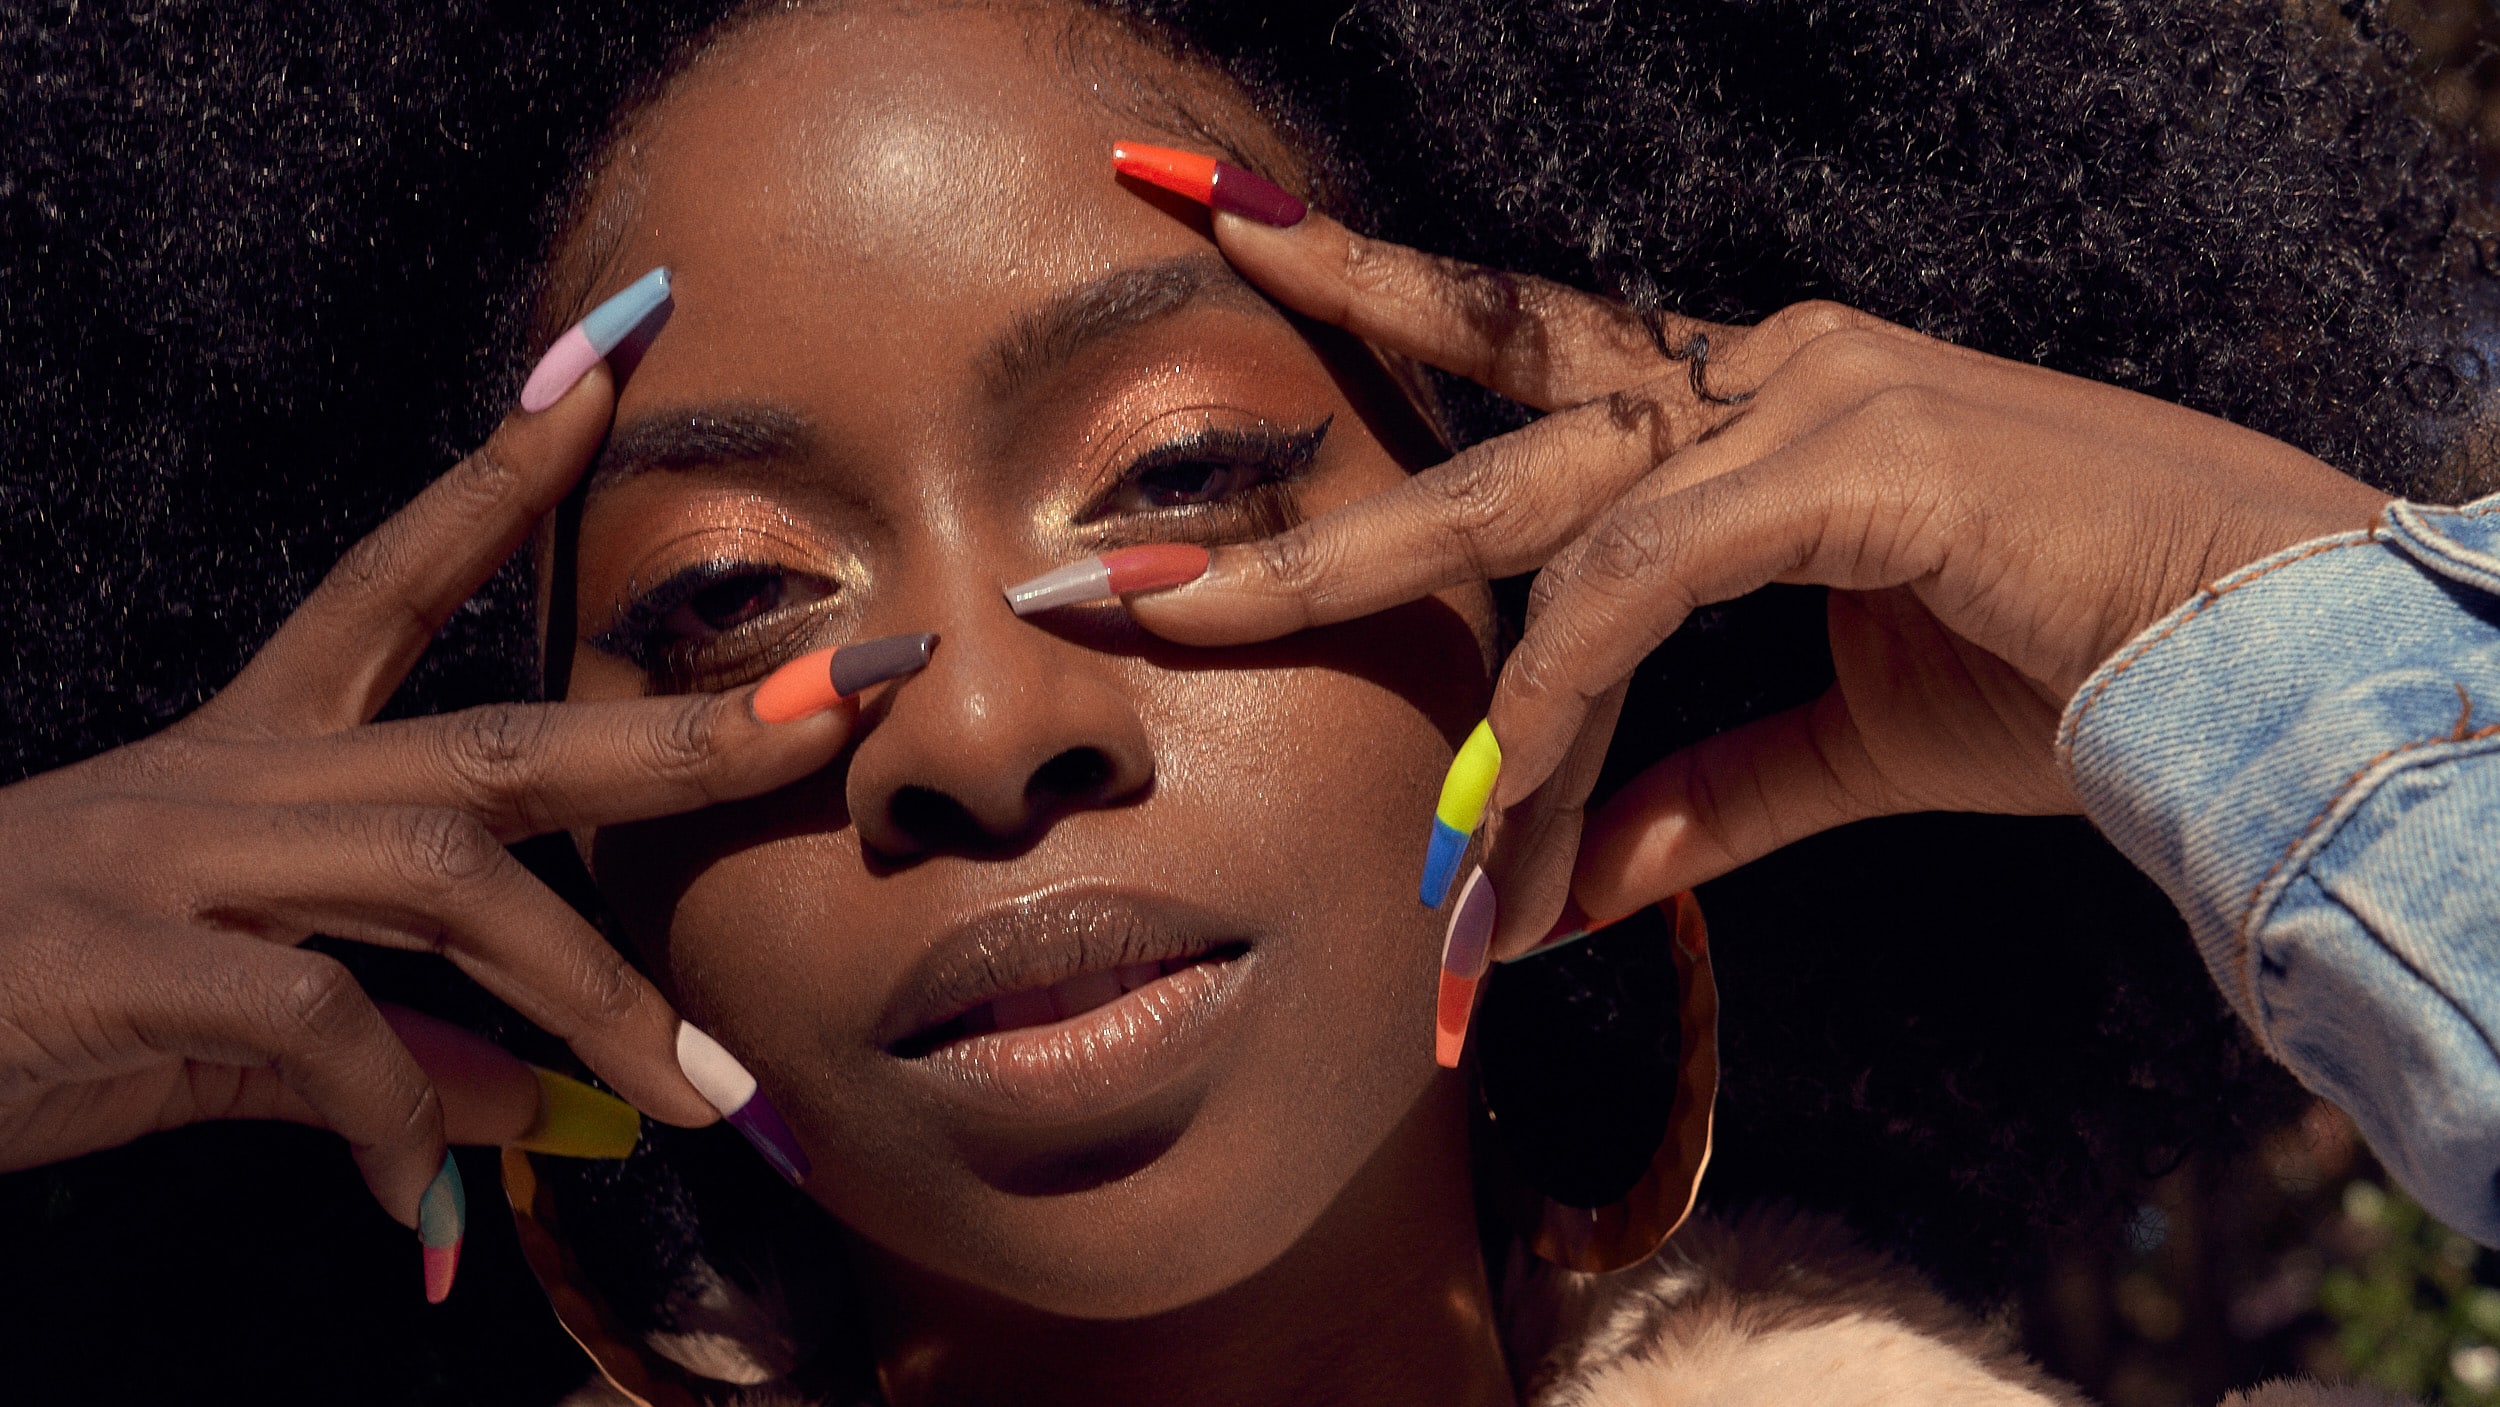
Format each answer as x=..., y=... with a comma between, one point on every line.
x=577, y=1121
x=728, y=1087
x=819, y=679
x=1463, y=795
x=442, y=1223
x=1463, y=953
x=1154, y=567
x=1218, y=185
x=586, y=342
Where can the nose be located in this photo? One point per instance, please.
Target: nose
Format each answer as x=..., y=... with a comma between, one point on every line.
x=1008, y=729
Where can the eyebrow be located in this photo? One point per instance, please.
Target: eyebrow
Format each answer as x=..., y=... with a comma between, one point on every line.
x=1038, y=341
x=720, y=434
x=1071, y=321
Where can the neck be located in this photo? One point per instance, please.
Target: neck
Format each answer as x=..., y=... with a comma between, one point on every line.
x=1384, y=1301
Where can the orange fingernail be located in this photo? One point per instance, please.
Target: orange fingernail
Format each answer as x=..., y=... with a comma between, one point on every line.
x=819, y=679
x=1463, y=952
x=1219, y=185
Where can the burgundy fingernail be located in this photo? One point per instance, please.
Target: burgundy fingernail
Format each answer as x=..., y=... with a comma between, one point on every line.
x=819, y=679
x=728, y=1087
x=1218, y=184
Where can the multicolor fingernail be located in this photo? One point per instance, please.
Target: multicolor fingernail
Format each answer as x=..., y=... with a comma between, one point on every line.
x=819, y=679
x=1463, y=795
x=442, y=1223
x=1218, y=185
x=721, y=1080
x=586, y=342
x=577, y=1121
x=1463, y=954
x=1574, y=925
x=1130, y=569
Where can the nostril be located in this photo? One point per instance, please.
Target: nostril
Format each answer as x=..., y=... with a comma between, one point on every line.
x=1077, y=774
x=935, y=820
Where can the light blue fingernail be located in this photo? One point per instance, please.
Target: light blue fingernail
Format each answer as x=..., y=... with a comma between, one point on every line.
x=610, y=322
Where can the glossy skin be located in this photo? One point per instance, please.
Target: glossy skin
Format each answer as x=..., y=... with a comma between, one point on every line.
x=860, y=212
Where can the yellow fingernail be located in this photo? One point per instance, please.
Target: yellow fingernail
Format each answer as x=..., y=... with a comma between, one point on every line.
x=576, y=1121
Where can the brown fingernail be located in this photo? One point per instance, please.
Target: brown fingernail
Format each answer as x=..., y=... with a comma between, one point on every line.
x=819, y=679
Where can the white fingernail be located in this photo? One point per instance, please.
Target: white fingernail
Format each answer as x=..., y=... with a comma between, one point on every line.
x=713, y=1071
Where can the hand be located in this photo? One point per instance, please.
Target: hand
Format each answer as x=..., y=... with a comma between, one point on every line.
x=154, y=895
x=1991, y=531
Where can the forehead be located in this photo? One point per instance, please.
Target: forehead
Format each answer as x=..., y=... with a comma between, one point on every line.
x=857, y=182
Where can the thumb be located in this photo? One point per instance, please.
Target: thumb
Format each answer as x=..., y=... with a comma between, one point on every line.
x=1727, y=801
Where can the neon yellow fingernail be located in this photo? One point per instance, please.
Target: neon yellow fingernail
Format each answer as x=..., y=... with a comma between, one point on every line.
x=1470, y=782
x=1463, y=795
x=576, y=1121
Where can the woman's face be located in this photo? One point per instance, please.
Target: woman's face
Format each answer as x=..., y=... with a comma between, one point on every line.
x=1094, y=974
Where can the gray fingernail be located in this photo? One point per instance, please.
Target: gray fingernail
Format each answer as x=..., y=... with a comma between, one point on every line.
x=855, y=667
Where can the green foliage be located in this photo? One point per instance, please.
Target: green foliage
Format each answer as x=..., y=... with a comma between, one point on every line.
x=2410, y=1312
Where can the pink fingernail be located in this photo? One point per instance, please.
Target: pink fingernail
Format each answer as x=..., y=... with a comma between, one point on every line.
x=586, y=342
x=1130, y=569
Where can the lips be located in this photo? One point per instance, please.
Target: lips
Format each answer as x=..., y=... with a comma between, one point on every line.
x=1068, y=1005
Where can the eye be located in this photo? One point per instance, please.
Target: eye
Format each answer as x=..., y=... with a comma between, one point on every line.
x=1192, y=481
x=727, y=604
x=1234, y=470
x=712, y=620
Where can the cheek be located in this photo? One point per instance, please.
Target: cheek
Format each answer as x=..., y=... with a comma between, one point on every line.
x=1293, y=788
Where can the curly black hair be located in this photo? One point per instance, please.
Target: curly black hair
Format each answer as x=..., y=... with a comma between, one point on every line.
x=267, y=265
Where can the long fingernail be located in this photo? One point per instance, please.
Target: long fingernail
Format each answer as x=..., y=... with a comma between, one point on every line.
x=442, y=1223
x=576, y=1121
x=1463, y=795
x=1570, y=928
x=1463, y=953
x=819, y=679
x=1219, y=185
x=718, y=1076
x=1131, y=569
x=585, y=342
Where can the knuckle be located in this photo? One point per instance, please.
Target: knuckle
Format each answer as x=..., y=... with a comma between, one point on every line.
x=1859, y=360
x=1626, y=550
x=1905, y=420
x=1293, y=560
x=441, y=850
x=1472, y=495
x=682, y=744
x=615, y=992
x=487, y=477
x=1816, y=318
x=319, y=1006
x=491, y=752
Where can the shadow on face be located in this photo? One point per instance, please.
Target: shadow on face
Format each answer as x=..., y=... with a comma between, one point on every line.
x=1093, y=976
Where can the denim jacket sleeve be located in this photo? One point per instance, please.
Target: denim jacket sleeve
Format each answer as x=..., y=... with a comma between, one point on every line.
x=2306, y=758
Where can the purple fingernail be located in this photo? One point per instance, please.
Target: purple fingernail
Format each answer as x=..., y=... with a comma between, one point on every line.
x=728, y=1087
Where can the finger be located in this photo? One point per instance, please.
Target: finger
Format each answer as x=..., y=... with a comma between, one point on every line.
x=338, y=659
x=528, y=769
x=229, y=1001
x=1725, y=802
x=1537, y=342
x=437, y=880
x=1810, y=512
x=1497, y=509
x=1532, y=849
x=489, y=1095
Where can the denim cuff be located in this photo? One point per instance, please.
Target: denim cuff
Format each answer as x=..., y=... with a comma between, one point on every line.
x=2224, y=746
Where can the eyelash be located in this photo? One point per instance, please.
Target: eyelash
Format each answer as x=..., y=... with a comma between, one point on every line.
x=647, y=633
